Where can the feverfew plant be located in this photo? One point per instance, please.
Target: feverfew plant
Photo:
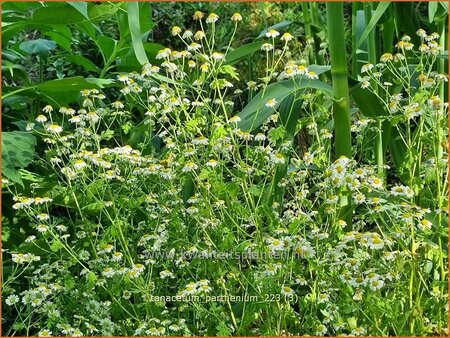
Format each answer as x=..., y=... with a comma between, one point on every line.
x=127, y=226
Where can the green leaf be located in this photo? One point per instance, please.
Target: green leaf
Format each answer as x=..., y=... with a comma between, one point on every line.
x=243, y=51
x=290, y=113
x=80, y=7
x=17, y=152
x=71, y=84
x=57, y=15
x=135, y=30
x=129, y=63
x=432, y=8
x=102, y=11
x=381, y=8
x=255, y=113
x=82, y=61
x=367, y=102
x=62, y=35
x=107, y=45
x=278, y=26
x=229, y=70
x=19, y=70
x=40, y=47
x=62, y=91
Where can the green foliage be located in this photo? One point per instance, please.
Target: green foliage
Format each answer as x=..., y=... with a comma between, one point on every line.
x=17, y=153
x=135, y=166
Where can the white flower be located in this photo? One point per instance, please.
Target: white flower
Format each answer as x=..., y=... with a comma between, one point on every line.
x=213, y=17
x=376, y=284
x=198, y=15
x=41, y=119
x=260, y=137
x=176, y=30
x=217, y=56
x=287, y=291
x=212, y=163
x=275, y=244
x=386, y=57
x=75, y=119
x=166, y=274
x=117, y=256
x=92, y=116
x=47, y=109
x=163, y=53
x=235, y=119
x=236, y=17
x=30, y=239
x=189, y=166
x=367, y=67
x=266, y=47
x=12, y=299
x=54, y=128
x=286, y=37
x=401, y=190
x=321, y=330
x=278, y=158
x=272, y=33
x=271, y=103
x=201, y=140
x=421, y=33
x=108, y=272
x=194, y=46
x=45, y=333
x=312, y=75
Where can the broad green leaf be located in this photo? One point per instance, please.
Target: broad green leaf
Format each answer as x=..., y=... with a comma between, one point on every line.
x=290, y=113
x=72, y=84
x=367, y=102
x=135, y=30
x=60, y=15
x=20, y=6
x=129, y=63
x=243, y=51
x=102, y=11
x=62, y=91
x=256, y=111
x=80, y=7
x=17, y=152
x=62, y=35
x=89, y=29
x=40, y=47
x=82, y=61
x=378, y=13
x=432, y=8
x=107, y=45
x=278, y=26
x=146, y=18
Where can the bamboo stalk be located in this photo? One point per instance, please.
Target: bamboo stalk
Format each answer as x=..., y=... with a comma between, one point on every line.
x=339, y=73
x=341, y=111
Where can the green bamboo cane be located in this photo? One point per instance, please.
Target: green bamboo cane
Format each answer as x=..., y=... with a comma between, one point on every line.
x=341, y=111
x=339, y=73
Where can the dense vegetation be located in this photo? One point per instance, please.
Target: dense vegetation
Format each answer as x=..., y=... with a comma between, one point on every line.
x=224, y=169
